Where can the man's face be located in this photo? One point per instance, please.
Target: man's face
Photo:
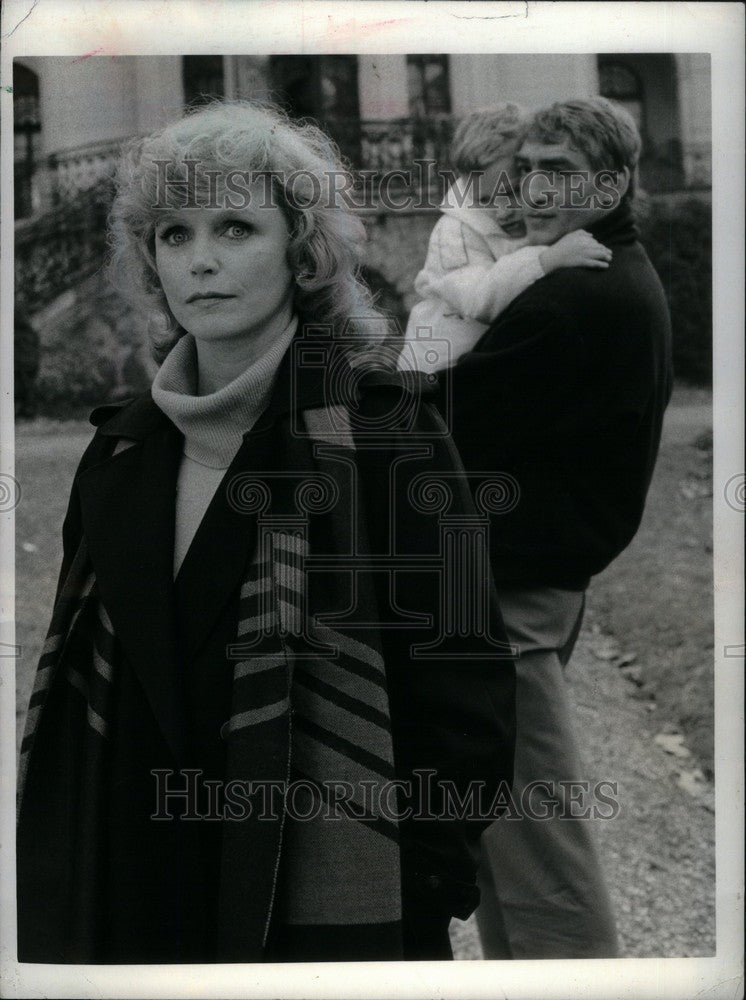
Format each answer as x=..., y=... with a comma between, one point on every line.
x=548, y=210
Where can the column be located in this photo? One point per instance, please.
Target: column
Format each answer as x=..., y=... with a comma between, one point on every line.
x=86, y=101
x=251, y=77
x=382, y=84
x=160, y=91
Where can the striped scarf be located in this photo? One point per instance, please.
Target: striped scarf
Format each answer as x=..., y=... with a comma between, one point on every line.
x=323, y=685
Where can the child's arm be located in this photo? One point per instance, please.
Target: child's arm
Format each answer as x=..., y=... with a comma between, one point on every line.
x=576, y=249
x=482, y=293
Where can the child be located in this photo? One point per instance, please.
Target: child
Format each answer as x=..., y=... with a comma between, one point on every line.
x=477, y=260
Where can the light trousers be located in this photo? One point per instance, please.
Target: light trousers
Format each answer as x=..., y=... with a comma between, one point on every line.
x=543, y=890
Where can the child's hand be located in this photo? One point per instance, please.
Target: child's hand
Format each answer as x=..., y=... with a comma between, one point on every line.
x=576, y=249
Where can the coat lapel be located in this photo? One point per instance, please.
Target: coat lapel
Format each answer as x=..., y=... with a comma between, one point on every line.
x=128, y=504
x=216, y=559
x=226, y=539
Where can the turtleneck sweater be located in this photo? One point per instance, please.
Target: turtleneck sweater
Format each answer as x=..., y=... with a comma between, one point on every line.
x=213, y=425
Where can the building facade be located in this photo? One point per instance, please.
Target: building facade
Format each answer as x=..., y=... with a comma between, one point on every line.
x=382, y=110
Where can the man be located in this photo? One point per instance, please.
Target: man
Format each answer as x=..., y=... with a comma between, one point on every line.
x=565, y=392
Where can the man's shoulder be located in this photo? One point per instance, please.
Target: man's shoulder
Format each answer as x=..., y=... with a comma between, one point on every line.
x=546, y=302
x=574, y=306
x=582, y=293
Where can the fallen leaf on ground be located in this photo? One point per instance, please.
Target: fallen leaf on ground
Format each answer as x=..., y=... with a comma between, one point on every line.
x=672, y=743
x=605, y=652
x=625, y=659
x=695, y=490
x=693, y=782
x=633, y=674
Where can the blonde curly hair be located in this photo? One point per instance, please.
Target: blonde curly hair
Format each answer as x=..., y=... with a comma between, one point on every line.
x=486, y=135
x=326, y=238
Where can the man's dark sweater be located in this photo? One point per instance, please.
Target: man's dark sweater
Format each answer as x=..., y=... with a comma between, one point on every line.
x=566, y=393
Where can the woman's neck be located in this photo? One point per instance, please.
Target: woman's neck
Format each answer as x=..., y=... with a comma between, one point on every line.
x=213, y=423
x=221, y=362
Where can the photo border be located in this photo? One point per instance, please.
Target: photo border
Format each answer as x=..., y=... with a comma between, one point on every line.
x=162, y=27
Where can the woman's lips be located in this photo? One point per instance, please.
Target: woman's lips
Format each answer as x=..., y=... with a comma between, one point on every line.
x=209, y=297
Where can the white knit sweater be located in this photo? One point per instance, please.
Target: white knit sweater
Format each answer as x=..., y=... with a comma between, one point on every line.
x=213, y=425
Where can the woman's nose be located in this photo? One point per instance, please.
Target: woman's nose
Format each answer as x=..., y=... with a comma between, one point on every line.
x=204, y=258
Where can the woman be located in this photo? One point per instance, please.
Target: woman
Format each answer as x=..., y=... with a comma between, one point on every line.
x=245, y=678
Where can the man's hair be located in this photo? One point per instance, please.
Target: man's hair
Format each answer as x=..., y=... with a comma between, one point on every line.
x=326, y=238
x=603, y=131
x=485, y=136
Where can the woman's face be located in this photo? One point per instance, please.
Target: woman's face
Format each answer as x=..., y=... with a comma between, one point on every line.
x=224, y=272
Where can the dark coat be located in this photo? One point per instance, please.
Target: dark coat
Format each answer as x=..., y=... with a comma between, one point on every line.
x=155, y=890
x=565, y=393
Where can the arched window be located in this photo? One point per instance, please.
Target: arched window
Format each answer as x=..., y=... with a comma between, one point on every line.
x=620, y=83
x=26, y=128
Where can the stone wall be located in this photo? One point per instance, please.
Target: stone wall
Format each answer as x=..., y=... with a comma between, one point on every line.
x=91, y=350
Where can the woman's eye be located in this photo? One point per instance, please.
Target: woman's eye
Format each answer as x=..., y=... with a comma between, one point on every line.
x=237, y=230
x=174, y=236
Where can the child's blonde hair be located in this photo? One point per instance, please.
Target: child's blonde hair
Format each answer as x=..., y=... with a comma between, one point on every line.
x=485, y=136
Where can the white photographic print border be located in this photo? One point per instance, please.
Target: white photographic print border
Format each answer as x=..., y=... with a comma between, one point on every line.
x=79, y=29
